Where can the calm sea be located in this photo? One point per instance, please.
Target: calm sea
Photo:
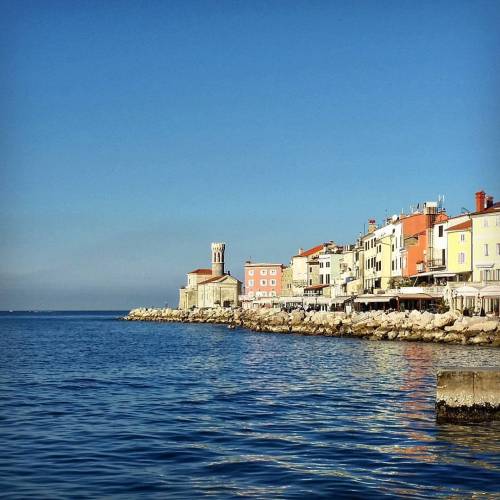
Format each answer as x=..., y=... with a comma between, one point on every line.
x=91, y=407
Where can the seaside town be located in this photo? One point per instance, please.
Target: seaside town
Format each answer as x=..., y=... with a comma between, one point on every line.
x=424, y=260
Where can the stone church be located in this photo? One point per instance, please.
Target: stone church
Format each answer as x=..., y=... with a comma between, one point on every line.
x=211, y=287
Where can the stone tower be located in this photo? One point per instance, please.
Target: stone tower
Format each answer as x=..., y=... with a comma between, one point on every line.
x=218, y=259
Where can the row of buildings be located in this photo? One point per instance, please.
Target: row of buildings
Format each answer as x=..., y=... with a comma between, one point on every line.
x=412, y=260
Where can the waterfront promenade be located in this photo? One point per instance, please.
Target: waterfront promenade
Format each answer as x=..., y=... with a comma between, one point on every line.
x=449, y=327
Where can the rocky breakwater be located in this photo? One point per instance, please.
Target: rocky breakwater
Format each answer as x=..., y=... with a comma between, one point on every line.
x=449, y=327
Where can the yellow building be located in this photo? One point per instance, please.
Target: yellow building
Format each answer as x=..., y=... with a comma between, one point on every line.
x=486, y=244
x=459, y=240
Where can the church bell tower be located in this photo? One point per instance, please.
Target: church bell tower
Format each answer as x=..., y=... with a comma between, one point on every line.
x=218, y=259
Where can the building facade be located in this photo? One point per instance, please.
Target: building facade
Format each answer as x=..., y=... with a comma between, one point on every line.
x=263, y=280
x=459, y=262
x=486, y=239
x=211, y=287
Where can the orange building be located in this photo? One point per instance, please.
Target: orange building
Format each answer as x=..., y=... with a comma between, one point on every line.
x=418, y=238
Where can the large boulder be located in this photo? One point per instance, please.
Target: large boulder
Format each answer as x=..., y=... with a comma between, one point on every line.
x=442, y=320
x=483, y=326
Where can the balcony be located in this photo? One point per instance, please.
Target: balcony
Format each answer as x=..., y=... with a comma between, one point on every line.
x=436, y=263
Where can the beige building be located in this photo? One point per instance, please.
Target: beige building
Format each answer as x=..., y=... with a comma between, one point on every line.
x=287, y=282
x=351, y=269
x=486, y=239
x=305, y=267
x=211, y=287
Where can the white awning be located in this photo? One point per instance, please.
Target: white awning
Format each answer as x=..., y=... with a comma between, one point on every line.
x=444, y=274
x=311, y=301
x=466, y=291
x=373, y=299
x=339, y=300
x=490, y=291
x=289, y=300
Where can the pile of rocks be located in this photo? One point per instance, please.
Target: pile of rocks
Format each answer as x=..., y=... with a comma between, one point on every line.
x=449, y=327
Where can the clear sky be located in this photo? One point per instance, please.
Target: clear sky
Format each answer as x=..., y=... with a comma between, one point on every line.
x=135, y=133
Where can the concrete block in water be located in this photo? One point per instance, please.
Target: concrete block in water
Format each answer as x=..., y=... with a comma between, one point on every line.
x=468, y=395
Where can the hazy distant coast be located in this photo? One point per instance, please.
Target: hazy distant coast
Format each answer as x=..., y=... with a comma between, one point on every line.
x=448, y=327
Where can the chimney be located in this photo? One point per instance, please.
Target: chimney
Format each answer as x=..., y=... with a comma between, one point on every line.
x=489, y=201
x=480, y=201
x=301, y=250
x=372, y=225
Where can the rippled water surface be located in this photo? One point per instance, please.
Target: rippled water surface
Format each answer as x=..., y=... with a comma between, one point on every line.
x=93, y=407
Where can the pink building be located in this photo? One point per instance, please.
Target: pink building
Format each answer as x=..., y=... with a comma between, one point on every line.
x=263, y=280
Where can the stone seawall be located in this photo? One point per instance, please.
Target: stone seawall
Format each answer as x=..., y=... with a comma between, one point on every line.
x=449, y=327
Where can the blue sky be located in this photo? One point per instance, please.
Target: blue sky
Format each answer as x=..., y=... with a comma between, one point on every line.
x=135, y=133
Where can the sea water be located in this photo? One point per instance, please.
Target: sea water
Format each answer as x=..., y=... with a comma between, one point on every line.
x=93, y=407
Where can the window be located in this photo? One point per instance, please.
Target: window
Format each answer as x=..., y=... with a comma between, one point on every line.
x=250, y=282
x=461, y=258
x=498, y=220
x=392, y=265
x=497, y=274
x=263, y=282
x=498, y=248
x=320, y=279
x=485, y=249
x=327, y=264
x=272, y=272
x=321, y=265
x=263, y=272
x=443, y=257
x=272, y=282
x=485, y=221
x=310, y=269
x=462, y=237
x=379, y=249
x=485, y=275
x=440, y=231
x=310, y=282
x=250, y=273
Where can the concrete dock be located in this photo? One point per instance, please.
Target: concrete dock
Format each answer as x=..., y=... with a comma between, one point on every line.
x=466, y=395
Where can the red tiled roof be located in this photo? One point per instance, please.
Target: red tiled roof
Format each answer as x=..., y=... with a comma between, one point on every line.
x=311, y=251
x=315, y=287
x=215, y=279
x=459, y=227
x=211, y=280
x=201, y=271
